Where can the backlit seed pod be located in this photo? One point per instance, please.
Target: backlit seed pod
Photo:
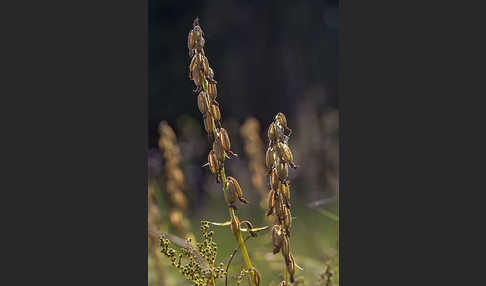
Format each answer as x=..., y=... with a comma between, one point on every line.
x=277, y=238
x=224, y=137
x=286, y=154
x=196, y=76
x=235, y=226
x=215, y=112
x=287, y=218
x=208, y=123
x=256, y=276
x=198, y=32
x=218, y=150
x=193, y=64
x=271, y=132
x=205, y=65
x=285, y=191
x=283, y=171
x=281, y=119
x=231, y=194
x=213, y=162
x=190, y=40
x=201, y=102
x=291, y=268
x=279, y=210
x=213, y=91
x=285, y=246
x=274, y=179
x=237, y=189
x=270, y=158
x=271, y=200
x=211, y=74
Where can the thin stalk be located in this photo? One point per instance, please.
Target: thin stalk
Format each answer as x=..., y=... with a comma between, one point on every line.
x=238, y=236
x=286, y=275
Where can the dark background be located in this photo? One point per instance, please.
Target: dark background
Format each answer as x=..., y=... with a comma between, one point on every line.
x=266, y=56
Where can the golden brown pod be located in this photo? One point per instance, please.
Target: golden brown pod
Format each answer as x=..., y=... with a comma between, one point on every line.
x=212, y=90
x=270, y=201
x=201, y=102
x=283, y=171
x=286, y=153
x=274, y=179
x=190, y=40
x=281, y=119
x=256, y=276
x=279, y=210
x=231, y=194
x=205, y=65
x=271, y=132
x=213, y=162
x=285, y=191
x=215, y=112
x=285, y=246
x=276, y=238
x=225, y=141
x=287, y=217
x=208, y=123
x=193, y=64
x=196, y=77
x=270, y=158
x=291, y=268
x=218, y=150
x=237, y=189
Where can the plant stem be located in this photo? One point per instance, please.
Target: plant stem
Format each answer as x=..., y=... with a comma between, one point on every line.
x=238, y=236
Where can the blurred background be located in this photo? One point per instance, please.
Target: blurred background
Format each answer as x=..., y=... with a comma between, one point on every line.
x=268, y=57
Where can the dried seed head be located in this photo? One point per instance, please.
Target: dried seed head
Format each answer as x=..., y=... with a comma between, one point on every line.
x=224, y=137
x=237, y=189
x=256, y=276
x=213, y=162
x=215, y=112
x=218, y=150
x=208, y=123
x=271, y=132
x=285, y=247
x=212, y=91
x=291, y=268
x=283, y=171
x=201, y=102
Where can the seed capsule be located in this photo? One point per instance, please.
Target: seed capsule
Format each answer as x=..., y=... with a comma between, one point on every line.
x=287, y=218
x=237, y=189
x=291, y=268
x=231, y=195
x=270, y=157
x=270, y=202
x=190, y=40
x=285, y=191
x=256, y=276
x=205, y=65
x=215, y=112
x=281, y=119
x=283, y=171
x=271, y=132
x=274, y=179
x=196, y=75
x=286, y=154
x=276, y=238
x=201, y=102
x=213, y=162
x=208, y=123
x=224, y=137
x=212, y=91
x=285, y=246
x=279, y=210
x=218, y=150
x=193, y=64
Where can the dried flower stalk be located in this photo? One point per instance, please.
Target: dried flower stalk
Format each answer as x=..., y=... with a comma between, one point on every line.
x=174, y=177
x=203, y=76
x=278, y=158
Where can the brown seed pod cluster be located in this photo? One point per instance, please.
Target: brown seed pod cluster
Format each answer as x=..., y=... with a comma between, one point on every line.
x=174, y=178
x=278, y=158
x=250, y=131
x=203, y=76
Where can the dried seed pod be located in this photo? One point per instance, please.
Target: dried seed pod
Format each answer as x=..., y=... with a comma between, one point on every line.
x=218, y=150
x=281, y=119
x=213, y=162
x=196, y=76
x=193, y=64
x=276, y=238
x=190, y=41
x=279, y=210
x=205, y=65
x=237, y=189
x=201, y=102
x=285, y=246
x=231, y=194
x=215, y=112
x=271, y=132
x=224, y=137
x=270, y=202
x=208, y=123
x=256, y=276
x=285, y=191
x=287, y=218
x=283, y=171
x=212, y=91
x=274, y=179
x=270, y=157
x=291, y=268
